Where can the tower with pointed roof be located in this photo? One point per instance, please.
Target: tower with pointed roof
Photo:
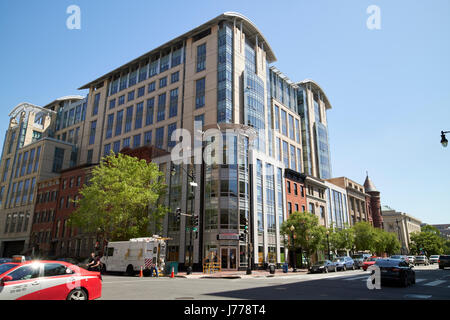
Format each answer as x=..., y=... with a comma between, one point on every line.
x=374, y=202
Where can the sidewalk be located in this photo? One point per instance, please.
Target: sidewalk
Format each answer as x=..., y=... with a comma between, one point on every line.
x=240, y=274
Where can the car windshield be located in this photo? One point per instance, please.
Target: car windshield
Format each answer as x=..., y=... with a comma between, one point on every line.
x=434, y=257
x=372, y=259
x=6, y=266
x=420, y=258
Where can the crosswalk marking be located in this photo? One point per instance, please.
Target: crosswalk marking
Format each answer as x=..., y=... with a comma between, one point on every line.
x=420, y=280
x=434, y=283
x=357, y=278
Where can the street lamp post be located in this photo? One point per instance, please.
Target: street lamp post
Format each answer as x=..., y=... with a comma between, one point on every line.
x=328, y=244
x=444, y=140
x=294, y=269
x=192, y=184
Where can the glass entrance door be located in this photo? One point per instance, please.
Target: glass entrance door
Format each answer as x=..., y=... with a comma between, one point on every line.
x=228, y=258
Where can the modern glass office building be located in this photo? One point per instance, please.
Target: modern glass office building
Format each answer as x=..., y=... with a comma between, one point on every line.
x=220, y=74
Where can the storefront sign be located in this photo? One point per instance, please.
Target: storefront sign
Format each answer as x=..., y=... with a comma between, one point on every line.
x=228, y=236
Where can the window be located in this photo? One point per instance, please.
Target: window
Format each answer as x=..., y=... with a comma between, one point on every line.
x=119, y=119
x=295, y=189
x=92, y=132
x=201, y=57
x=131, y=95
x=78, y=181
x=56, y=269
x=89, y=156
x=25, y=273
x=126, y=142
x=116, y=147
x=61, y=203
x=136, y=141
x=200, y=118
x=175, y=77
x=5, y=170
x=162, y=82
x=96, y=103
x=109, y=126
x=112, y=103
x=176, y=57
x=286, y=154
x=58, y=159
x=121, y=100
x=296, y=207
x=132, y=79
x=161, y=107
x=151, y=87
x=170, y=129
x=283, y=123
x=164, y=65
x=148, y=138
x=289, y=208
x=322, y=212
x=200, y=93
x=150, y=111
x=107, y=149
x=139, y=115
x=128, y=119
x=141, y=92
x=277, y=118
x=159, y=137
x=288, y=186
x=173, y=109
x=291, y=128
x=311, y=208
x=143, y=73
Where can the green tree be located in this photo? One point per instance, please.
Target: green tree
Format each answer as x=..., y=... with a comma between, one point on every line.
x=308, y=234
x=447, y=247
x=386, y=242
x=120, y=198
x=343, y=239
x=427, y=240
x=365, y=236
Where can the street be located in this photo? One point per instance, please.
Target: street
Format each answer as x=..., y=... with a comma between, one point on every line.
x=431, y=283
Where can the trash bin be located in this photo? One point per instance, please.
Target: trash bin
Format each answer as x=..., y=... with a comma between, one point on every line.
x=285, y=268
x=272, y=269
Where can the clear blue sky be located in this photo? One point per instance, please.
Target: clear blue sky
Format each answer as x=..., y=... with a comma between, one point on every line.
x=389, y=88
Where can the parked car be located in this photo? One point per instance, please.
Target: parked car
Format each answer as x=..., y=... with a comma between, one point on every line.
x=434, y=259
x=369, y=262
x=411, y=260
x=444, y=261
x=323, y=266
x=344, y=263
x=359, y=259
x=396, y=270
x=421, y=260
x=48, y=280
x=400, y=257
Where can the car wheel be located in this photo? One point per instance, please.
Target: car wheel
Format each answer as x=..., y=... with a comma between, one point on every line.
x=344, y=268
x=325, y=270
x=77, y=294
x=335, y=269
x=353, y=267
x=130, y=271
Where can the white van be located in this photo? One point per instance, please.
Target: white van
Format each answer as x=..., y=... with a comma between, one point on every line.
x=130, y=256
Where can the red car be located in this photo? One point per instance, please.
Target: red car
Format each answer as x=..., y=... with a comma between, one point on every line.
x=48, y=280
x=369, y=262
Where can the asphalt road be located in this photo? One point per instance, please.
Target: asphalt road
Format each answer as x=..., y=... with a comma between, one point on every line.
x=431, y=283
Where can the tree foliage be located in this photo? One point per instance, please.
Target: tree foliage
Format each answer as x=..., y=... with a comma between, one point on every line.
x=308, y=234
x=120, y=198
x=427, y=240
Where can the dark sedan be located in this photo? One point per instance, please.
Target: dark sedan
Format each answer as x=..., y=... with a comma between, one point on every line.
x=444, y=261
x=323, y=266
x=396, y=270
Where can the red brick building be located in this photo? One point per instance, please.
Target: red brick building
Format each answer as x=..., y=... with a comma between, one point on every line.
x=373, y=203
x=44, y=217
x=295, y=192
x=70, y=242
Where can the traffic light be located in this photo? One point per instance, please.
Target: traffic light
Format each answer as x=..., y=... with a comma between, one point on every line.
x=246, y=226
x=242, y=237
x=195, y=220
x=178, y=214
